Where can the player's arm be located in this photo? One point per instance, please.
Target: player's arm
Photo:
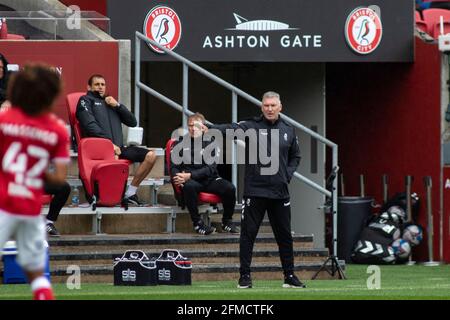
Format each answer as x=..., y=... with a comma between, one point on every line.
x=244, y=125
x=87, y=119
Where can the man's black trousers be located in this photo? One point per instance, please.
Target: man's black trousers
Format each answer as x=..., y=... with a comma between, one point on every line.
x=60, y=194
x=279, y=213
x=221, y=187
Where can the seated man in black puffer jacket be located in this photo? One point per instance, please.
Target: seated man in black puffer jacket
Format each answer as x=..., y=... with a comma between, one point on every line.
x=101, y=116
x=194, y=178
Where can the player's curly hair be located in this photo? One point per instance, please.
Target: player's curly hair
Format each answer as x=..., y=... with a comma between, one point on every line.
x=34, y=88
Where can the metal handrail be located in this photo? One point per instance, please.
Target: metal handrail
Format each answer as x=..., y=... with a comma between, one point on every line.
x=235, y=92
x=228, y=86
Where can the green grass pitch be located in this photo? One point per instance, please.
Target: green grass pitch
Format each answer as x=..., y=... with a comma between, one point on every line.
x=397, y=282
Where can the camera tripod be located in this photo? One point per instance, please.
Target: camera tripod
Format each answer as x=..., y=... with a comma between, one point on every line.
x=331, y=265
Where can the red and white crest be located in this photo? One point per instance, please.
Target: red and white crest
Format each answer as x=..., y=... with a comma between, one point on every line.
x=163, y=25
x=363, y=30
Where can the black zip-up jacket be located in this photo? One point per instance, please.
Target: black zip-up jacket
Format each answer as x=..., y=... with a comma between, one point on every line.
x=97, y=119
x=269, y=186
x=201, y=172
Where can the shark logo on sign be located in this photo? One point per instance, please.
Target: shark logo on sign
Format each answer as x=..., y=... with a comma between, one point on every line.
x=363, y=30
x=259, y=25
x=163, y=26
x=258, y=34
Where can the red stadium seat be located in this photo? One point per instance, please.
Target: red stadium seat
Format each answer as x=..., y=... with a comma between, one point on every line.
x=435, y=14
x=4, y=32
x=432, y=18
x=14, y=37
x=418, y=16
x=203, y=197
x=103, y=177
x=422, y=25
x=71, y=103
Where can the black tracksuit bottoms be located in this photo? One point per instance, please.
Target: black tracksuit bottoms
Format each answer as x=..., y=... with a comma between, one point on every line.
x=279, y=212
x=60, y=194
x=221, y=187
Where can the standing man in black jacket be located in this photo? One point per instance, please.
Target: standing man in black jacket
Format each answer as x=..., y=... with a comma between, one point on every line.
x=194, y=178
x=100, y=115
x=269, y=192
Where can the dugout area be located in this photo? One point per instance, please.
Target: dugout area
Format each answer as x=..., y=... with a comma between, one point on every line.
x=353, y=99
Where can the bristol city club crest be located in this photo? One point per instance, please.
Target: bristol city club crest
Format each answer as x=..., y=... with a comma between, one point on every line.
x=363, y=30
x=163, y=26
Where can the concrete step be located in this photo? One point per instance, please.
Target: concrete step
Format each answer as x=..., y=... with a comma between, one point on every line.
x=182, y=247
x=196, y=261
x=166, y=196
x=115, y=220
x=211, y=255
x=173, y=239
x=214, y=257
x=198, y=256
x=219, y=271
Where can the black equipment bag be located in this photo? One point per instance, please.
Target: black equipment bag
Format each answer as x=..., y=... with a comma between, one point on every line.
x=134, y=268
x=385, y=227
x=173, y=268
x=373, y=248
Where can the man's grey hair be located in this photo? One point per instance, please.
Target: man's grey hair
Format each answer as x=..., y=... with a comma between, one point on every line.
x=271, y=94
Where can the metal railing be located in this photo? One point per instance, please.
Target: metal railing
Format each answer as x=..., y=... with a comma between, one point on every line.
x=184, y=108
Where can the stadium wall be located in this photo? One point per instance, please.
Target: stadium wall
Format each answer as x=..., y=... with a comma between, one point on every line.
x=446, y=225
x=386, y=119
x=74, y=60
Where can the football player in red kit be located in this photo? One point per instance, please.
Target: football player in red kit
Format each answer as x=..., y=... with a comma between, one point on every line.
x=31, y=137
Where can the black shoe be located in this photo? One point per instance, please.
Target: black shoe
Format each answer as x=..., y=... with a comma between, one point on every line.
x=51, y=230
x=134, y=200
x=203, y=229
x=245, y=282
x=230, y=227
x=291, y=281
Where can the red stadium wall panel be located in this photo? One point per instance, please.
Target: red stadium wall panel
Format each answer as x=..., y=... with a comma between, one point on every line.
x=386, y=119
x=76, y=61
x=446, y=222
x=88, y=5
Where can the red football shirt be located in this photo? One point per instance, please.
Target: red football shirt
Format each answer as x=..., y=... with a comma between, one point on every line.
x=27, y=146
